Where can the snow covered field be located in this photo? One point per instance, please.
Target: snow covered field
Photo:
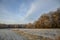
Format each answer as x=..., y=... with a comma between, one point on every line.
x=8, y=34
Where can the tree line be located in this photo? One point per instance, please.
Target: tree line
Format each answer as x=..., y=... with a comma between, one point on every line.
x=47, y=20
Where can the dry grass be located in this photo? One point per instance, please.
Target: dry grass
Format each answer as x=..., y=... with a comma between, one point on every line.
x=30, y=36
x=57, y=38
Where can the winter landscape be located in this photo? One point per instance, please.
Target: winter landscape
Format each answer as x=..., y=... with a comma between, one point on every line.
x=29, y=19
x=29, y=34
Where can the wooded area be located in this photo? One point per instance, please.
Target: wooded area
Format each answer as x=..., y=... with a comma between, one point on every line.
x=47, y=20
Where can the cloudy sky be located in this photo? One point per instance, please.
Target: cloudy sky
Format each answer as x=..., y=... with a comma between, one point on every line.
x=25, y=11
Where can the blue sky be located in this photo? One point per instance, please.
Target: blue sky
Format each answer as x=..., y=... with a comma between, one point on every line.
x=25, y=11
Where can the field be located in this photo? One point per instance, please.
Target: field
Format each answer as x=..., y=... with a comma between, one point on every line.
x=29, y=34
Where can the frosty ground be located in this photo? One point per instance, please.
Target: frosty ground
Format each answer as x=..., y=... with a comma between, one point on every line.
x=29, y=34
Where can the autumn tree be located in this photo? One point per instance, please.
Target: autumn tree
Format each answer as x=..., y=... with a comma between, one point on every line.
x=56, y=19
x=49, y=20
x=29, y=25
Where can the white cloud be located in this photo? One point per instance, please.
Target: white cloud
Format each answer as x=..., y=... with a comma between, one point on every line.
x=30, y=10
x=33, y=8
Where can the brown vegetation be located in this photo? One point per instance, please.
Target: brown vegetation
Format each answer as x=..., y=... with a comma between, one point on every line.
x=50, y=20
x=31, y=36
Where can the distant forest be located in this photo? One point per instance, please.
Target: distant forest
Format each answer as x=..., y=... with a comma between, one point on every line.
x=47, y=20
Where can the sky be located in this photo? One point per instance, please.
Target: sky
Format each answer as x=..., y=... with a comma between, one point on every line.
x=25, y=11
